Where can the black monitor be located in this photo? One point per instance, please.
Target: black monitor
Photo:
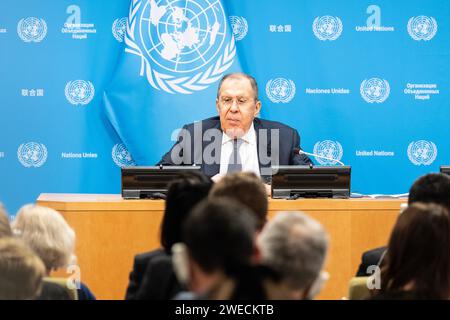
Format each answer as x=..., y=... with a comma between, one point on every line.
x=445, y=169
x=150, y=182
x=292, y=182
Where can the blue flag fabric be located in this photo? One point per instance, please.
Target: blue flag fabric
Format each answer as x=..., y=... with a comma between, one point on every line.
x=175, y=53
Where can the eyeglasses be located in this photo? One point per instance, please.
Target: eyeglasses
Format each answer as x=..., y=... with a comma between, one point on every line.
x=240, y=101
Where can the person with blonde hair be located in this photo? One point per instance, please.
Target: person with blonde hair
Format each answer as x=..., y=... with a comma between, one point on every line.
x=47, y=233
x=5, y=228
x=50, y=236
x=21, y=270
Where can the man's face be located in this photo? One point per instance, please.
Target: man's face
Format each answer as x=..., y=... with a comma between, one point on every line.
x=237, y=106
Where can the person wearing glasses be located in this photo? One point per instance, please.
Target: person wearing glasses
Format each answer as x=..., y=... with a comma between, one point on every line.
x=236, y=139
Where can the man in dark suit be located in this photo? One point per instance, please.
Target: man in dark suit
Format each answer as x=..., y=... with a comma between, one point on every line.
x=430, y=188
x=236, y=140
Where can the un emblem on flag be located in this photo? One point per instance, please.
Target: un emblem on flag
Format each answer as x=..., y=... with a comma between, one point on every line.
x=328, y=149
x=327, y=28
x=32, y=154
x=422, y=28
x=121, y=156
x=422, y=152
x=32, y=29
x=239, y=26
x=375, y=90
x=79, y=92
x=280, y=90
x=184, y=46
x=119, y=28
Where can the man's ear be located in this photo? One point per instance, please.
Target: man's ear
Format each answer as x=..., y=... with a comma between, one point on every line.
x=180, y=260
x=256, y=255
x=258, y=108
x=314, y=288
x=217, y=106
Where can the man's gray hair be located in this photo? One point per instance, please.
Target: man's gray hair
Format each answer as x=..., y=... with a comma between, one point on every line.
x=237, y=75
x=295, y=245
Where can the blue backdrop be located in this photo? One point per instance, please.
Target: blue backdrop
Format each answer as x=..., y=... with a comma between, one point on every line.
x=365, y=82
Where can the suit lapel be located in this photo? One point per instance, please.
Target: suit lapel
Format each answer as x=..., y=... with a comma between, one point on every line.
x=266, y=148
x=212, y=169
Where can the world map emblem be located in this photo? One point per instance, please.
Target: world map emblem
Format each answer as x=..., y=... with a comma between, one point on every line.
x=79, y=92
x=32, y=29
x=422, y=152
x=121, y=156
x=239, y=26
x=422, y=28
x=374, y=90
x=328, y=149
x=280, y=90
x=184, y=46
x=119, y=28
x=327, y=28
x=32, y=154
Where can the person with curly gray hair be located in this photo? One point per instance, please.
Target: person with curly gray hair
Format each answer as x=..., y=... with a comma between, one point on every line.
x=294, y=245
x=51, y=238
x=48, y=234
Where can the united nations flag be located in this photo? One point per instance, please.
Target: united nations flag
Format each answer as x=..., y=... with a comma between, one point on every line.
x=175, y=53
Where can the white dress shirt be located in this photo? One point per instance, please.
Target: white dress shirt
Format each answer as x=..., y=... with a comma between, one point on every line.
x=248, y=152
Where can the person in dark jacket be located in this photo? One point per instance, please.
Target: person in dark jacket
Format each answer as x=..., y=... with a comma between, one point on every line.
x=152, y=276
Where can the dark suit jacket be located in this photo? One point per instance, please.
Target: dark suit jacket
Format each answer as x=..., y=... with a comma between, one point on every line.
x=141, y=262
x=192, y=153
x=52, y=291
x=160, y=281
x=370, y=258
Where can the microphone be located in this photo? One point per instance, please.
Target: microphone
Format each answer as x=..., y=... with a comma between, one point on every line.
x=300, y=151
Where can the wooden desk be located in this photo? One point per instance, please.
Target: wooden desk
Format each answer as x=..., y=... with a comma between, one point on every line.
x=110, y=231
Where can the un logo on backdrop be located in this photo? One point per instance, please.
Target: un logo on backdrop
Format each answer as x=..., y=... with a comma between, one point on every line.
x=119, y=28
x=32, y=29
x=422, y=152
x=328, y=149
x=239, y=26
x=280, y=90
x=375, y=90
x=79, y=92
x=183, y=45
x=32, y=154
x=422, y=28
x=121, y=156
x=327, y=28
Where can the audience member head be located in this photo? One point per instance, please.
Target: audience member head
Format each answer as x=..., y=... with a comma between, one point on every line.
x=183, y=194
x=218, y=236
x=5, y=228
x=432, y=187
x=47, y=233
x=418, y=255
x=295, y=245
x=247, y=188
x=21, y=270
